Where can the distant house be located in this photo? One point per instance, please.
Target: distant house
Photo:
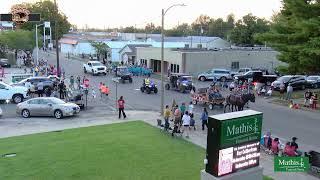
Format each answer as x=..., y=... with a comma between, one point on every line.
x=129, y=52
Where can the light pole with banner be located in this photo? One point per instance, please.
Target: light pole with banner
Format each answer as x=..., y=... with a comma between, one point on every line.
x=162, y=54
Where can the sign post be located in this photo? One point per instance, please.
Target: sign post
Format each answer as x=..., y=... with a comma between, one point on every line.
x=233, y=146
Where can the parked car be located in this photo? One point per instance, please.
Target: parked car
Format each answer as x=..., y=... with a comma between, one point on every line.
x=4, y=63
x=219, y=74
x=0, y=112
x=95, y=67
x=296, y=81
x=47, y=106
x=16, y=94
x=240, y=71
x=47, y=82
x=180, y=82
x=123, y=73
x=256, y=76
x=313, y=81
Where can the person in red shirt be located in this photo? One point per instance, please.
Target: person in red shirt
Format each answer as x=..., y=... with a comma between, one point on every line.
x=121, y=107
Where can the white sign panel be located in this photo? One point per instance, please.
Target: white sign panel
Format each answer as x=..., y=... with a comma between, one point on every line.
x=47, y=24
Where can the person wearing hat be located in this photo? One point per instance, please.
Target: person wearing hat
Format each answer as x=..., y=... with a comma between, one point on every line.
x=289, y=92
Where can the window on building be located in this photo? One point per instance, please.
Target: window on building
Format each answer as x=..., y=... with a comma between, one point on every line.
x=177, y=69
x=235, y=65
x=199, y=46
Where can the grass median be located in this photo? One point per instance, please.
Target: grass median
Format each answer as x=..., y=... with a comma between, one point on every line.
x=133, y=150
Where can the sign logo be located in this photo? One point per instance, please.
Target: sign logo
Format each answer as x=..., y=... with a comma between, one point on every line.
x=291, y=164
x=20, y=13
x=241, y=130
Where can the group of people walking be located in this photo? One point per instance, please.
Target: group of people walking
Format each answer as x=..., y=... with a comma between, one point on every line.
x=183, y=118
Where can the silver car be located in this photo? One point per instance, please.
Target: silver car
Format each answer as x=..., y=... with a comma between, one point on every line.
x=219, y=74
x=47, y=106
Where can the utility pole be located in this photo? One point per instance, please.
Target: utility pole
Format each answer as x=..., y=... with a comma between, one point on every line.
x=56, y=36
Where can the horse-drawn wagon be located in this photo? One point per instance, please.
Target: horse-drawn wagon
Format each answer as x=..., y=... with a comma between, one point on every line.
x=202, y=96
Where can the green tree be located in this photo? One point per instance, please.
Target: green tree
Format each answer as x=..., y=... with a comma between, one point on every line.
x=245, y=29
x=295, y=33
x=17, y=40
x=178, y=31
x=101, y=48
x=202, y=22
x=48, y=13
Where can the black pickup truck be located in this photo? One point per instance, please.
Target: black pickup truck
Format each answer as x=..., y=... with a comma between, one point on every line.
x=256, y=76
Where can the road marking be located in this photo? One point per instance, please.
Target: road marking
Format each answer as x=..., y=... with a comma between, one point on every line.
x=137, y=89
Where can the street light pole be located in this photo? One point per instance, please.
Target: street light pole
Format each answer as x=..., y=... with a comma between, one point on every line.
x=163, y=13
x=162, y=63
x=56, y=36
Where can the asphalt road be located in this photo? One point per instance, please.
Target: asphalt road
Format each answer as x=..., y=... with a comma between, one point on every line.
x=281, y=121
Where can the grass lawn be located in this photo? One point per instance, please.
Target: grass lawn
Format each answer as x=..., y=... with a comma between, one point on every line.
x=133, y=150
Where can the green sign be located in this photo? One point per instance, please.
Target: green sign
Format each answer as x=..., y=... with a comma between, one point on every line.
x=291, y=164
x=241, y=130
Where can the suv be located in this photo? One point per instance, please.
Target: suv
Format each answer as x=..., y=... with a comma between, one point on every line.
x=95, y=67
x=16, y=94
x=296, y=81
x=47, y=82
x=123, y=73
x=220, y=74
x=180, y=82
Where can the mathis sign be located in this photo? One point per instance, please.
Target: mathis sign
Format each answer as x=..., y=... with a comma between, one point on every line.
x=233, y=142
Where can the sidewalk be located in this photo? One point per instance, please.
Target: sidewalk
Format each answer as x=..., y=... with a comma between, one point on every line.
x=17, y=127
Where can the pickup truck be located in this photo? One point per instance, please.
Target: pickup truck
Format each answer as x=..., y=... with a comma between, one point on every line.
x=94, y=67
x=256, y=76
x=14, y=93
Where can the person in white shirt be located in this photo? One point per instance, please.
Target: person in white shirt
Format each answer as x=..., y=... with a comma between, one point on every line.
x=186, y=123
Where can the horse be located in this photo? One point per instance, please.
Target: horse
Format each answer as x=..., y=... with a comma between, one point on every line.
x=238, y=101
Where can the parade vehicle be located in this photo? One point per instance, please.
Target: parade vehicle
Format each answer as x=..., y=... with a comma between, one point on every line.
x=15, y=93
x=152, y=87
x=95, y=68
x=256, y=77
x=123, y=73
x=202, y=96
x=180, y=82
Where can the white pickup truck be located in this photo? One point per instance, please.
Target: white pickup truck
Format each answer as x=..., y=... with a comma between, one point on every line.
x=14, y=93
x=94, y=67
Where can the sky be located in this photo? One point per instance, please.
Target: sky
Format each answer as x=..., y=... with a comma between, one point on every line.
x=117, y=13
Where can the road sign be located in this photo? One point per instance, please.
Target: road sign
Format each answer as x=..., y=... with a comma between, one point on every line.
x=47, y=24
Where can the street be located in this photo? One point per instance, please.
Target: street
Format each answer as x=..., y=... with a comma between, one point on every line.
x=281, y=121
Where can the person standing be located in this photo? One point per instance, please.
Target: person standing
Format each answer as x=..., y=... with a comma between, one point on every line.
x=204, y=118
x=40, y=89
x=182, y=109
x=166, y=115
x=121, y=107
x=289, y=92
x=190, y=109
x=186, y=123
x=71, y=82
x=61, y=89
x=78, y=81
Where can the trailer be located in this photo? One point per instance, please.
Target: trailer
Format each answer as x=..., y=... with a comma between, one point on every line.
x=201, y=96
